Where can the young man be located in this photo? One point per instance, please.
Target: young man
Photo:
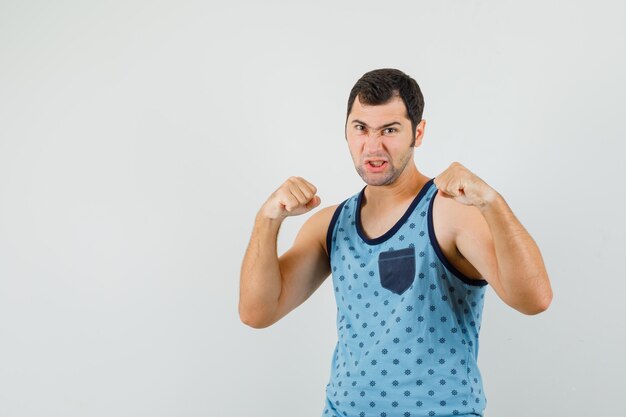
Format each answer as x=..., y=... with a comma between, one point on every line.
x=410, y=257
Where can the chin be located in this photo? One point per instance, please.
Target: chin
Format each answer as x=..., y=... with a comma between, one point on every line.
x=377, y=181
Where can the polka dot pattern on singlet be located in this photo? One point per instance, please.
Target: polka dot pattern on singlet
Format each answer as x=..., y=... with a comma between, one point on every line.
x=408, y=322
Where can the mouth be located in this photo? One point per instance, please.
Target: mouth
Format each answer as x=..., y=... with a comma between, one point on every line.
x=375, y=166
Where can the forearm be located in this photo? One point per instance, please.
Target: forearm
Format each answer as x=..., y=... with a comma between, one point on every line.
x=521, y=268
x=260, y=280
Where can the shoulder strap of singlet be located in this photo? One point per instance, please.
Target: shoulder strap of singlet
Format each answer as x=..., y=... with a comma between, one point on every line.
x=331, y=226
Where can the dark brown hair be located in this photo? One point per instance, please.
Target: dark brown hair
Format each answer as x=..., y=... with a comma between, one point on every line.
x=381, y=85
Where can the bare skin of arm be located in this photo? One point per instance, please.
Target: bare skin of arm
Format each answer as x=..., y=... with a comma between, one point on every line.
x=260, y=278
x=272, y=286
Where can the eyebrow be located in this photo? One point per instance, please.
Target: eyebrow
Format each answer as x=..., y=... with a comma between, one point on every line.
x=380, y=127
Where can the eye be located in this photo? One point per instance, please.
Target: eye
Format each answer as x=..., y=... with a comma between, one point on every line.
x=391, y=128
x=357, y=127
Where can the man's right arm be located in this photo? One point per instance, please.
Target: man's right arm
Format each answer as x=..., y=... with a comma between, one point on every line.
x=270, y=287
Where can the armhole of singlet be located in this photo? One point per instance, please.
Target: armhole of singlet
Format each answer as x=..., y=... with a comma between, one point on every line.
x=433, y=241
x=331, y=227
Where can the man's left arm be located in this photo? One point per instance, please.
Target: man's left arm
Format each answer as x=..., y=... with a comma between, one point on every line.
x=494, y=231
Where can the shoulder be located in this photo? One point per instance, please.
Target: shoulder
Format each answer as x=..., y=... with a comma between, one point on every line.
x=451, y=220
x=454, y=215
x=321, y=220
x=324, y=216
x=318, y=225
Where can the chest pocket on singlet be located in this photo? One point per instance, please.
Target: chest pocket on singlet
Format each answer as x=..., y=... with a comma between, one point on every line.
x=397, y=269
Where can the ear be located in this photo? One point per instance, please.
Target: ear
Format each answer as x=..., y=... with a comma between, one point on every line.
x=419, y=132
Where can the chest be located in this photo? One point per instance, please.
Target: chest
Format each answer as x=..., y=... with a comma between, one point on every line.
x=374, y=225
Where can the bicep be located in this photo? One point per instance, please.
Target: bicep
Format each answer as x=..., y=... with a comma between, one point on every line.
x=303, y=267
x=474, y=241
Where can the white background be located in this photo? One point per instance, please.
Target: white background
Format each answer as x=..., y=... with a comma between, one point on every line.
x=138, y=139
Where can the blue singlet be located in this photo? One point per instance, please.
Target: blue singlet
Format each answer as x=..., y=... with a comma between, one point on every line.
x=407, y=320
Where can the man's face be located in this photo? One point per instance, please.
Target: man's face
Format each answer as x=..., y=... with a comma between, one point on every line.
x=380, y=133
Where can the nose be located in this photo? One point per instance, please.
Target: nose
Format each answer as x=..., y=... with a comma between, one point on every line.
x=373, y=142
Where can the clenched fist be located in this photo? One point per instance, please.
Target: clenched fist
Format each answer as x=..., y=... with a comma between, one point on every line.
x=294, y=197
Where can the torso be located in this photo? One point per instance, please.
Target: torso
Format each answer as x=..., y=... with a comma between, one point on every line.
x=444, y=212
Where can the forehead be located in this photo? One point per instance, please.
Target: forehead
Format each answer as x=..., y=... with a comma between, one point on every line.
x=380, y=113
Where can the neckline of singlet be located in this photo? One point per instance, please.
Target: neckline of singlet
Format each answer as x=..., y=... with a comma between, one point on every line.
x=384, y=237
